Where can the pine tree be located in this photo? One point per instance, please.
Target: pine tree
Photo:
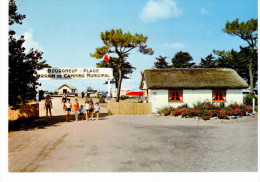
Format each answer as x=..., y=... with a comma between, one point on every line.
x=127, y=69
x=182, y=60
x=247, y=31
x=208, y=62
x=161, y=62
x=121, y=44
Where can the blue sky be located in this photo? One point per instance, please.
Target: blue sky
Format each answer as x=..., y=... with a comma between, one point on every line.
x=67, y=31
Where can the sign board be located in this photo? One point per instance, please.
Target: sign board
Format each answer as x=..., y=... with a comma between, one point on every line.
x=75, y=73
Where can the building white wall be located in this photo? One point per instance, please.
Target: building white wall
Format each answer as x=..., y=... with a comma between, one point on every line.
x=60, y=91
x=159, y=98
x=234, y=95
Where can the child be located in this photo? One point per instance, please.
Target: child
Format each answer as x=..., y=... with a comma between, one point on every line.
x=97, y=110
x=81, y=112
x=91, y=107
x=87, y=109
x=76, y=108
x=68, y=109
x=48, y=105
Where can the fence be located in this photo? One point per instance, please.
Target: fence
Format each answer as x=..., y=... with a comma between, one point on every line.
x=25, y=111
x=117, y=108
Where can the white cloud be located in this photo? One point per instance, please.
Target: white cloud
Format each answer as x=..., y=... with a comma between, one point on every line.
x=204, y=11
x=29, y=42
x=176, y=45
x=159, y=9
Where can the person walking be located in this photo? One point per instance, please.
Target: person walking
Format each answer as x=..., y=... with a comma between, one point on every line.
x=97, y=108
x=87, y=109
x=81, y=112
x=76, y=108
x=68, y=109
x=48, y=105
x=82, y=94
x=91, y=108
x=64, y=100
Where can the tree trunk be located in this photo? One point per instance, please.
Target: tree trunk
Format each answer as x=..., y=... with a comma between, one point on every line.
x=119, y=84
x=251, y=76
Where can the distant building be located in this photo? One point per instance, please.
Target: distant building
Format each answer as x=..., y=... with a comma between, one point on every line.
x=122, y=92
x=68, y=89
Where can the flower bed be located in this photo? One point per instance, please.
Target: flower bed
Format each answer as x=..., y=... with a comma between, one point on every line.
x=207, y=110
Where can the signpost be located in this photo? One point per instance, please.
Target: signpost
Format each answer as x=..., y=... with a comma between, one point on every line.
x=75, y=73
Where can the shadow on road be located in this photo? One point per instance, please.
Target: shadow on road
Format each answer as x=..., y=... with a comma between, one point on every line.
x=43, y=122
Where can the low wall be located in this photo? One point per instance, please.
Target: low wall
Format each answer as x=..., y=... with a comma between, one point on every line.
x=117, y=108
x=25, y=111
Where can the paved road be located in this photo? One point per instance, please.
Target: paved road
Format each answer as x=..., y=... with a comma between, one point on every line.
x=136, y=143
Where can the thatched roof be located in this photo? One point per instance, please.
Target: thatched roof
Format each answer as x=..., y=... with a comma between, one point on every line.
x=196, y=78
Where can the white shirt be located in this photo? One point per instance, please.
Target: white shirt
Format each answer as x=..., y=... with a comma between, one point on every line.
x=87, y=106
x=68, y=105
x=96, y=108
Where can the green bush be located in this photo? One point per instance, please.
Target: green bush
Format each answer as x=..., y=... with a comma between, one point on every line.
x=249, y=99
x=76, y=94
x=51, y=93
x=122, y=97
x=55, y=93
x=222, y=104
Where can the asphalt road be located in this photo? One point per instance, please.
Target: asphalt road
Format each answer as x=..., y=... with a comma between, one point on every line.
x=136, y=143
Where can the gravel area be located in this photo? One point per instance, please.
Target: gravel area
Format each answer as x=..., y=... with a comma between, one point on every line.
x=136, y=144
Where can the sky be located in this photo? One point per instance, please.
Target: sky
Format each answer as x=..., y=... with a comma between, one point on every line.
x=68, y=31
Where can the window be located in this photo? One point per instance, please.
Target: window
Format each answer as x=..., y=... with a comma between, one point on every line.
x=175, y=95
x=219, y=95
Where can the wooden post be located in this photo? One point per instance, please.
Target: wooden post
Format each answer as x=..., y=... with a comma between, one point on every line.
x=108, y=88
x=37, y=95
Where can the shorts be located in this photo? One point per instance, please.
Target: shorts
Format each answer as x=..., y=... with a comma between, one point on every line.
x=91, y=110
x=81, y=113
x=48, y=106
x=87, y=109
x=96, y=111
x=68, y=109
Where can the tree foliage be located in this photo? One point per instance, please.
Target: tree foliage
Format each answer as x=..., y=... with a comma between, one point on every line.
x=247, y=31
x=22, y=66
x=182, y=60
x=120, y=44
x=161, y=62
x=127, y=69
x=208, y=62
x=238, y=60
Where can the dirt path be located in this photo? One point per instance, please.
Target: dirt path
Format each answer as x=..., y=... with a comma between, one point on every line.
x=137, y=143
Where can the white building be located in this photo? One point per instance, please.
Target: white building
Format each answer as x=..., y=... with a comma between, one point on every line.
x=68, y=89
x=174, y=87
x=122, y=92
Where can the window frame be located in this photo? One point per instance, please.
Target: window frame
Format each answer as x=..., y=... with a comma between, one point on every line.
x=174, y=90
x=218, y=93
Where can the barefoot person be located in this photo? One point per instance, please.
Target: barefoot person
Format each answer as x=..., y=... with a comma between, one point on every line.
x=91, y=107
x=87, y=109
x=64, y=100
x=76, y=108
x=68, y=109
x=97, y=108
x=48, y=105
x=81, y=112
